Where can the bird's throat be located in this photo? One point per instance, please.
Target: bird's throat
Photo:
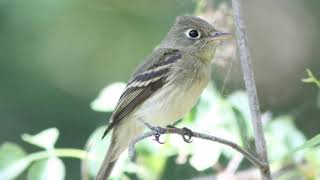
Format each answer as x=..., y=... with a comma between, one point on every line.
x=206, y=55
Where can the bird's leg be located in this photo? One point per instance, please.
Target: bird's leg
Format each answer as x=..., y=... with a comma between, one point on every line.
x=158, y=130
x=187, y=133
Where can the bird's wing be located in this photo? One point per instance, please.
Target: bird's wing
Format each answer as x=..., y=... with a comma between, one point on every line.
x=146, y=80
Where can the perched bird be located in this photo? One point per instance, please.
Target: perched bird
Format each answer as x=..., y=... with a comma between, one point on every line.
x=165, y=87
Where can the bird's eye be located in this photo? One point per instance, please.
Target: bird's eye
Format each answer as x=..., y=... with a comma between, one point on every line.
x=193, y=34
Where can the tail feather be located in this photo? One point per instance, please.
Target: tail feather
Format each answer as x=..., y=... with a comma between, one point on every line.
x=110, y=159
x=106, y=170
x=121, y=136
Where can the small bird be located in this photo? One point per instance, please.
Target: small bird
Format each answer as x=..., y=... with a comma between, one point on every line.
x=165, y=87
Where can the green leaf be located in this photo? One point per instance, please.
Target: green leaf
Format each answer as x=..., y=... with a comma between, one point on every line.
x=310, y=143
x=45, y=139
x=239, y=100
x=10, y=152
x=48, y=169
x=191, y=116
x=242, y=117
x=206, y=154
x=242, y=125
x=12, y=161
x=318, y=99
x=208, y=109
x=311, y=78
x=108, y=97
x=284, y=135
x=311, y=155
x=151, y=159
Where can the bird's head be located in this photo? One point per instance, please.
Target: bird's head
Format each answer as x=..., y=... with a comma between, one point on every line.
x=194, y=35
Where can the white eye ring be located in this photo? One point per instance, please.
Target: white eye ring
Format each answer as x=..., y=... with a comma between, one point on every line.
x=192, y=34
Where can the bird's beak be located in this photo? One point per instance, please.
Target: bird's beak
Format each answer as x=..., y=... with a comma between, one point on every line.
x=219, y=36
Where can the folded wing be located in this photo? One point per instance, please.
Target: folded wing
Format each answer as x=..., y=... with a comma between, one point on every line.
x=148, y=78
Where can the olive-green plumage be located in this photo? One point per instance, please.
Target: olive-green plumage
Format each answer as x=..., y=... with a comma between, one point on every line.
x=166, y=86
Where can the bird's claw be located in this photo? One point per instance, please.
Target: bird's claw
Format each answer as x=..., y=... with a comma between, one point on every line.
x=187, y=134
x=158, y=132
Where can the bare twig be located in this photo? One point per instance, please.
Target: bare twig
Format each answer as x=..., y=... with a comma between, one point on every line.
x=181, y=132
x=233, y=165
x=248, y=75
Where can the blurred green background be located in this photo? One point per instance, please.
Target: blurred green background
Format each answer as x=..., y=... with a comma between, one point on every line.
x=55, y=57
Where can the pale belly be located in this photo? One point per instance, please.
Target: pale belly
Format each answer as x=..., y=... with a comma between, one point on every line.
x=169, y=104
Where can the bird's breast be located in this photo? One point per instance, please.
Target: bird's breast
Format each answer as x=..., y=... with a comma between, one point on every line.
x=175, y=99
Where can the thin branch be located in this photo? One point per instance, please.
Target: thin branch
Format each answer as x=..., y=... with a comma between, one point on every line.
x=234, y=164
x=245, y=59
x=181, y=132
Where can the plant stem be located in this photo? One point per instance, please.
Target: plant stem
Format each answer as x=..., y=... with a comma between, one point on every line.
x=63, y=152
x=245, y=59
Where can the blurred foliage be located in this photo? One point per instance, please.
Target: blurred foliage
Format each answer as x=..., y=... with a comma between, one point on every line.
x=175, y=159
x=43, y=165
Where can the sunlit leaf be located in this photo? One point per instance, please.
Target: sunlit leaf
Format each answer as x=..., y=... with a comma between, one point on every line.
x=207, y=115
x=48, y=169
x=282, y=135
x=10, y=152
x=310, y=143
x=242, y=116
x=312, y=159
x=206, y=154
x=12, y=161
x=214, y=116
x=148, y=151
x=239, y=100
x=208, y=97
x=45, y=139
x=108, y=97
x=318, y=99
x=242, y=125
x=191, y=116
x=151, y=158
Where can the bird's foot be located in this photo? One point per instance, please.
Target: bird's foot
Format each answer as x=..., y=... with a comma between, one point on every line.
x=158, y=132
x=187, y=134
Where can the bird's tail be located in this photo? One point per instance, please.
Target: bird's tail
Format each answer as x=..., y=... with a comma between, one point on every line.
x=110, y=159
x=106, y=169
x=121, y=136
